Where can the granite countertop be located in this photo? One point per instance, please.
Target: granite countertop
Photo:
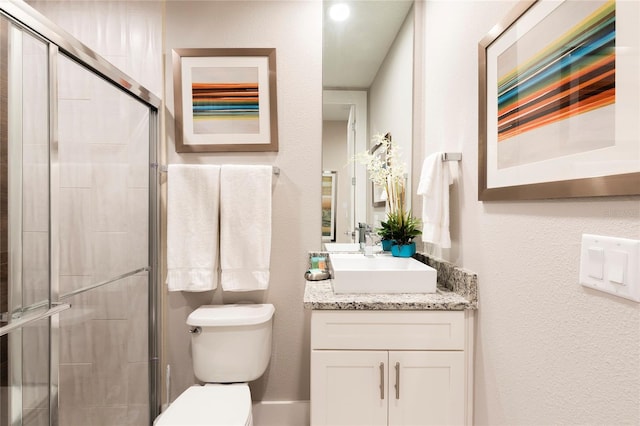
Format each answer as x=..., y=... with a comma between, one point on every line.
x=320, y=295
x=457, y=291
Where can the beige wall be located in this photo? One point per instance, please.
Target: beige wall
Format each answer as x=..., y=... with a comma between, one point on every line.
x=548, y=351
x=294, y=29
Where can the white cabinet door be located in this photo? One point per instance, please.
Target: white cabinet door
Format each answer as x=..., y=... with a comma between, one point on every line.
x=431, y=388
x=349, y=388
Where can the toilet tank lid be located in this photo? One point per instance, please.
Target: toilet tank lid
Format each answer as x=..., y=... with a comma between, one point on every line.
x=222, y=315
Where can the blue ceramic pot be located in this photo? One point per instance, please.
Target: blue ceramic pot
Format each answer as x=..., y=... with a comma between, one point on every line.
x=386, y=244
x=405, y=250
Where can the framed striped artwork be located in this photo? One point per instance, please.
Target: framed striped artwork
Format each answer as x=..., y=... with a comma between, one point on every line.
x=559, y=101
x=225, y=100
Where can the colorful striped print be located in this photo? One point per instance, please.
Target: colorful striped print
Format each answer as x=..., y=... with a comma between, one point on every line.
x=573, y=75
x=229, y=101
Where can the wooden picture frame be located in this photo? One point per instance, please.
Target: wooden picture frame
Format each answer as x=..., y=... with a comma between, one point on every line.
x=558, y=102
x=225, y=100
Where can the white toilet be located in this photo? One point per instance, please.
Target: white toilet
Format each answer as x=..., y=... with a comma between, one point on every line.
x=231, y=346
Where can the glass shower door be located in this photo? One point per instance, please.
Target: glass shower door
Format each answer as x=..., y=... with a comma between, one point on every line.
x=78, y=225
x=103, y=215
x=28, y=315
x=29, y=228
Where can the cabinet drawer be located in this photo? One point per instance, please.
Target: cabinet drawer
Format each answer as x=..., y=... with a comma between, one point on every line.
x=439, y=330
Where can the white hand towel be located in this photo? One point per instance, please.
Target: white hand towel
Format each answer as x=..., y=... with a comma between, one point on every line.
x=245, y=227
x=434, y=188
x=193, y=200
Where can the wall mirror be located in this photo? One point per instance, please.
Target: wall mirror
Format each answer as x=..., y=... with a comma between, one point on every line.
x=367, y=89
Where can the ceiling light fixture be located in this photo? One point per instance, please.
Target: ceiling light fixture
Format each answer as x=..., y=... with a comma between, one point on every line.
x=339, y=12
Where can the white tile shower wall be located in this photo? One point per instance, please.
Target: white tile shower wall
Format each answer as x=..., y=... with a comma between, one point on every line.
x=103, y=195
x=126, y=33
x=35, y=182
x=35, y=172
x=137, y=345
x=103, y=355
x=35, y=228
x=35, y=267
x=76, y=257
x=35, y=372
x=103, y=155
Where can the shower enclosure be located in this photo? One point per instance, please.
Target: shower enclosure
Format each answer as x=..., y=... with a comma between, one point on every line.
x=78, y=229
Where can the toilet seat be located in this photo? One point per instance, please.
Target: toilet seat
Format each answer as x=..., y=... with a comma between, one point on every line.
x=210, y=405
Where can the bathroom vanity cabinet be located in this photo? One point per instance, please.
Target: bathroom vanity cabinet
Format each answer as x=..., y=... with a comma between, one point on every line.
x=390, y=367
x=394, y=359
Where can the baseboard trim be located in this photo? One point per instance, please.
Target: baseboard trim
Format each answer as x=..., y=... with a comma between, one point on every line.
x=281, y=413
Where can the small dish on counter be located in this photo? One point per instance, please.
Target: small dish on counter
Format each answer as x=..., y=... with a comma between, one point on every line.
x=316, y=275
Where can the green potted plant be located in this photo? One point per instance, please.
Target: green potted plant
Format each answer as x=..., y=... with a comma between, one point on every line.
x=387, y=170
x=386, y=235
x=402, y=228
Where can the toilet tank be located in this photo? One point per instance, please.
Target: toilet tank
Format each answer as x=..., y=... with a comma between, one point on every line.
x=231, y=343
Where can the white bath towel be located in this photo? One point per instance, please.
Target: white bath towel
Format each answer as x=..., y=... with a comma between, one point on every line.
x=434, y=188
x=193, y=201
x=245, y=227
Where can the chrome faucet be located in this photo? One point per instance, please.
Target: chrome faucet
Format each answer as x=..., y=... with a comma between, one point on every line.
x=362, y=232
x=365, y=237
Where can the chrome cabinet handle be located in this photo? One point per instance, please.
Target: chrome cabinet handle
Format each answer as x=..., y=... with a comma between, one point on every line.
x=397, y=380
x=382, y=380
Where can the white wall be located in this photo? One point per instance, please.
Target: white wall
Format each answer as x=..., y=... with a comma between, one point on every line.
x=548, y=351
x=294, y=29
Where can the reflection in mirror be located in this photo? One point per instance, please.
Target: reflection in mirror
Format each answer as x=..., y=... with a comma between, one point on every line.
x=329, y=206
x=378, y=193
x=368, y=89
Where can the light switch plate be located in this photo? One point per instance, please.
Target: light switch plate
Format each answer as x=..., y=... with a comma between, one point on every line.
x=595, y=262
x=611, y=265
x=617, y=267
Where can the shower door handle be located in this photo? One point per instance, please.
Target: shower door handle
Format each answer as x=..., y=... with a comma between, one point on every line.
x=56, y=308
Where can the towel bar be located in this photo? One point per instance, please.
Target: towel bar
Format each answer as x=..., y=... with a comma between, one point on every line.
x=164, y=168
x=452, y=156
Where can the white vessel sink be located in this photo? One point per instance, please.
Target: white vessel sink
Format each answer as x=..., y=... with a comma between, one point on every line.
x=356, y=273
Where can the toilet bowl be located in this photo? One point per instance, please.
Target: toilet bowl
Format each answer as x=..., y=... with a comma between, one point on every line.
x=231, y=346
x=211, y=405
